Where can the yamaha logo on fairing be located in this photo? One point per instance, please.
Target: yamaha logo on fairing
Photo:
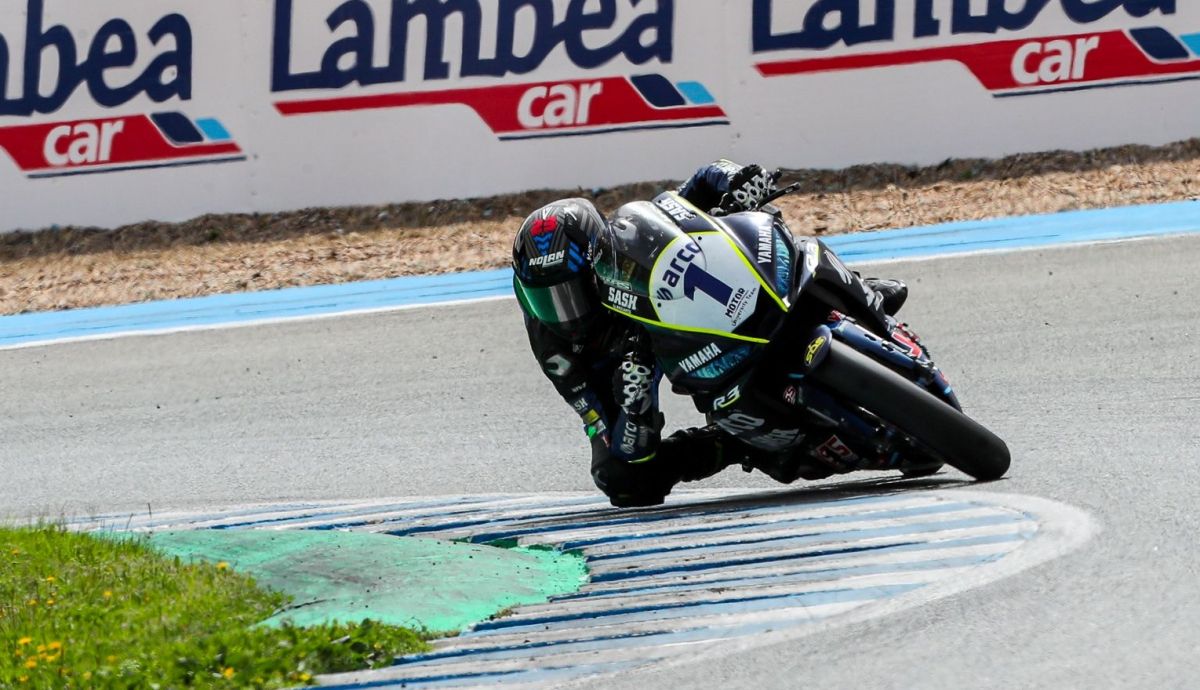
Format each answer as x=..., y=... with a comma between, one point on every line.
x=694, y=362
x=497, y=41
x=766, y=243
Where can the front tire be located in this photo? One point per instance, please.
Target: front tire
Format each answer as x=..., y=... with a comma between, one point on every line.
x=954, y=437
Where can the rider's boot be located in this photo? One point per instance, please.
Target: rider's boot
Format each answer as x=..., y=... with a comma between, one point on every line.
x=699, y=453
x=894, y=292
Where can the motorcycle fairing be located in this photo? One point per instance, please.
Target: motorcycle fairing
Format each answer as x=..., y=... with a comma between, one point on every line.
x=707, y=301
x=824, y=280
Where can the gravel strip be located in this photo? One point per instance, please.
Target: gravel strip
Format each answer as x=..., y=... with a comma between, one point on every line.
x=66, y=268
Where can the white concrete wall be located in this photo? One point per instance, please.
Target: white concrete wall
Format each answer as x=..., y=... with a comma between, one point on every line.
x=922, y=80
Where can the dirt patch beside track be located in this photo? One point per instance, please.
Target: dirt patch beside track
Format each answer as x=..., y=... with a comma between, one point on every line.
x=79, y=267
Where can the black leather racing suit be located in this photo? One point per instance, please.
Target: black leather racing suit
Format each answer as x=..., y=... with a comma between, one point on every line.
x=609, y=377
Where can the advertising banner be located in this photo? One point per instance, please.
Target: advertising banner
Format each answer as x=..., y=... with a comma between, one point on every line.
x=127, y=110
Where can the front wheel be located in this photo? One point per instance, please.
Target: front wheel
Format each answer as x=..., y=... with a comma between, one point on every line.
x=953, y=436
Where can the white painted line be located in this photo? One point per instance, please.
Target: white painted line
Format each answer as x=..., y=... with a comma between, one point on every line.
x=756, y=568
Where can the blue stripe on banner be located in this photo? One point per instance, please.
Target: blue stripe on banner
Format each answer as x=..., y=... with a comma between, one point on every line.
x=696, y=92
x=223, y=310
x=1192, y=41
x=1159, y=43
x=213, y=129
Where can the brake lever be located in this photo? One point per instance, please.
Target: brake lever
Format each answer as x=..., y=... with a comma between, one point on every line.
x=778, y=193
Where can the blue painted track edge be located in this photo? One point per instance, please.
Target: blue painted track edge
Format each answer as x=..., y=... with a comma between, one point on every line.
x=217, y=311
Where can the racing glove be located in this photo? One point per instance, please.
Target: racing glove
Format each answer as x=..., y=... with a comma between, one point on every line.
x=748, y=189
x=636, y=431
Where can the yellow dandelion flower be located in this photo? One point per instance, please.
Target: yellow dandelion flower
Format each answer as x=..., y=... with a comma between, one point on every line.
x=55, y=645
x=32, y=663
x=108, y=594
x=16, y=552
x=51, y=578
x=24, y=641
x=223, y=565
x=50, y=602
x=22, y=679
x=111, y=658
x=41, y=649
x=32, y=602
x=228, y=672
x=304, y=677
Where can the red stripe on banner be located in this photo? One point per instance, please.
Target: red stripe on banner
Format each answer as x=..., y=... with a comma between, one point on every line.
x=1013, y=64
x=536, y=107
x=80, y=144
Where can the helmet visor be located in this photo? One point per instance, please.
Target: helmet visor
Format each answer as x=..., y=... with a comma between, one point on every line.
x=558, y=304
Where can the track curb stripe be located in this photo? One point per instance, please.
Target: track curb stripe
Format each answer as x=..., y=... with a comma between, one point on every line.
x=690, y=579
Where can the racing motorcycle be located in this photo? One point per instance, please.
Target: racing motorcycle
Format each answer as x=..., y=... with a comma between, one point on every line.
x=783, y=346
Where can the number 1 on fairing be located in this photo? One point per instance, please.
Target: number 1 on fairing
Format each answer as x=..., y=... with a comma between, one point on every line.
x=696, y=278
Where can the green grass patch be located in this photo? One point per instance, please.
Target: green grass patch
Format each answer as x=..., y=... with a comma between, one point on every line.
x=81, y=612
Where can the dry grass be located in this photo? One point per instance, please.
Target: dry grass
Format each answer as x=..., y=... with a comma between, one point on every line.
x=77, y=267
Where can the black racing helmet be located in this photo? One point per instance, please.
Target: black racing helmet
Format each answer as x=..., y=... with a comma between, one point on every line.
x=552, y=277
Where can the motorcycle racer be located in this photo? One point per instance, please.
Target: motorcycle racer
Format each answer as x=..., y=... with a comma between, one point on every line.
x=602, y=365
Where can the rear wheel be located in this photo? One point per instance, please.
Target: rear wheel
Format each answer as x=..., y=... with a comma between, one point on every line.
x=955, y=438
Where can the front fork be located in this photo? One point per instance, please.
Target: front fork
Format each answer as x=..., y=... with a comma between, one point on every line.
x=903, y=353
x=873, y=445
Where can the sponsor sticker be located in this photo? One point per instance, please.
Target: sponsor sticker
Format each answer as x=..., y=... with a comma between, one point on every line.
x=1026, y=66
x=619, y=299
x=637, y=32
x=699, y=359
x=813, y=348
x=110, y=66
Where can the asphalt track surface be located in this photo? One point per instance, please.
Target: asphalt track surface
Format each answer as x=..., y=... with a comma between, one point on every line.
x=1082, y=358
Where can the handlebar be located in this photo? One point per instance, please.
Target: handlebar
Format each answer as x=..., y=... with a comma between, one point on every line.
x=778, y=193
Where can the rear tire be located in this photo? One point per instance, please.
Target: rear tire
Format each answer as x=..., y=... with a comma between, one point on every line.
x=956, y=438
